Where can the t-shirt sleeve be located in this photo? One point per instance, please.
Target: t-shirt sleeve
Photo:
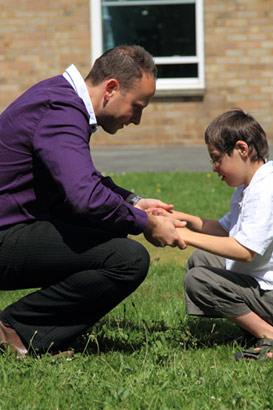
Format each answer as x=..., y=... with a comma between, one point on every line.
x=256, y=228
x=225, y=222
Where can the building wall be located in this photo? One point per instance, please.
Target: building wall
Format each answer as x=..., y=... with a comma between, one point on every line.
x=40, y=39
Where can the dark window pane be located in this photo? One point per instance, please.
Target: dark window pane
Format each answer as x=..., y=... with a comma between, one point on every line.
x=127, y=1
x=177, y=70
x=164, y=30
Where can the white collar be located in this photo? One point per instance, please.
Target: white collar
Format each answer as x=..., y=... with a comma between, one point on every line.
x=263, y=171
x=75, y=79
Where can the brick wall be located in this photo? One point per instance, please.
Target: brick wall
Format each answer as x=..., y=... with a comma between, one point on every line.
x=39, y=39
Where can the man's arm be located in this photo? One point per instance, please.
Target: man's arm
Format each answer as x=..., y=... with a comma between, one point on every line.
x=61, y=142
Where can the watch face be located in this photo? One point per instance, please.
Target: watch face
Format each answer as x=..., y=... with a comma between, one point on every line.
x=135, y=199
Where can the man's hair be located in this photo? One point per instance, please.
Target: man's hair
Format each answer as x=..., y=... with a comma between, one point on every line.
x=231, y=126
x=125, y=63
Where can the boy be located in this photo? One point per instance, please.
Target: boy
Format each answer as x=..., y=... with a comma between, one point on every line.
x=231, y=274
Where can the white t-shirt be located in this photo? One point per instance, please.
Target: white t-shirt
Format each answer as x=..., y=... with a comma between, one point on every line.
x=250, y=222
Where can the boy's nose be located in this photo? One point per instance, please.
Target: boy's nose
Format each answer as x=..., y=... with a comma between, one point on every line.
x=215, y=167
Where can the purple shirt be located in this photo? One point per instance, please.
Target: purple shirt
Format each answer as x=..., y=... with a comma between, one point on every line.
x=45, y=162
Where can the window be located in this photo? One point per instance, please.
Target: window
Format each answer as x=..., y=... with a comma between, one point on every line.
x=171, y=30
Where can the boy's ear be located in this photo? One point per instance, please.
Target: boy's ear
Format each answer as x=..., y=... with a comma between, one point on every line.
x=243, y=148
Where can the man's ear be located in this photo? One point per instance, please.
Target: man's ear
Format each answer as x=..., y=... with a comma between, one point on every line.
x=111, y=86
x=243, y=148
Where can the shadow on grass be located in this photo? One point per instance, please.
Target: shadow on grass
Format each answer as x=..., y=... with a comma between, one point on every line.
x=127, y=336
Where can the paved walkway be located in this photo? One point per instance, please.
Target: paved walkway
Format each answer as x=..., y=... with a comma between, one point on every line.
x=141, y=159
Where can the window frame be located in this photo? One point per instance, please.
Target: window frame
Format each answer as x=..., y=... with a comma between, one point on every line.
x=165, y=87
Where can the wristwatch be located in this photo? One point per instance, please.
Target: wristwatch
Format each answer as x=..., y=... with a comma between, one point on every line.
x=133, y=201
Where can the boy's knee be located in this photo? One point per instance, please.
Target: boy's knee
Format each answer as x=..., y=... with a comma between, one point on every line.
x=195, y=282
x=189, y=280
x=195, y=259
x=202, y=258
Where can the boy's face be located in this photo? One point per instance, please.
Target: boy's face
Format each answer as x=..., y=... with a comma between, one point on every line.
x=233, y=168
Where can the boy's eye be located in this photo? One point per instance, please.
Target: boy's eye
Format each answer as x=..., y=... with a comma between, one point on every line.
x=216, y=159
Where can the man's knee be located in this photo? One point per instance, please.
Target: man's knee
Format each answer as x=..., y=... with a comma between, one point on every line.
x=132, y=260
x=139, y=260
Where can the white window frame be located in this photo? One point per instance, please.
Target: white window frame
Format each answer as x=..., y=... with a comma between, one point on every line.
x=165, y=87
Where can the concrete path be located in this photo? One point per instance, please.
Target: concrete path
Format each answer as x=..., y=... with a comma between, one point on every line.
x=141, y=159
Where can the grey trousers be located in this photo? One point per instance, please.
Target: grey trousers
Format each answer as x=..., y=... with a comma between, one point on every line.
x=212, y=291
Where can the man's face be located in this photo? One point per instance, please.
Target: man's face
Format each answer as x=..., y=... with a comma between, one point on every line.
x=123, y=108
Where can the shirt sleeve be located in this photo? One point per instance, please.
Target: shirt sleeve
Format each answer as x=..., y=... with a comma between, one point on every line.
x=108, y=182
x=61, y=141
x=225, y=222
x=256, y=224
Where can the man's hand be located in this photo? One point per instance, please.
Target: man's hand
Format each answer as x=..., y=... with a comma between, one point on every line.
x=161, y=231
x=146, y=203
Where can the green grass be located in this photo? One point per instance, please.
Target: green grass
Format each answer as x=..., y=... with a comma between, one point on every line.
x=146, y=353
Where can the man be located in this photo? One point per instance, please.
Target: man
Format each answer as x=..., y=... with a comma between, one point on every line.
x=63, y=226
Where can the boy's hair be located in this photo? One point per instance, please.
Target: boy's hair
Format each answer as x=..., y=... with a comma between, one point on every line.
x=124, y=63
x=231, y=126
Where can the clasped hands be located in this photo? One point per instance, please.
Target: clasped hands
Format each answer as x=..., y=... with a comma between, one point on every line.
x=162, y=224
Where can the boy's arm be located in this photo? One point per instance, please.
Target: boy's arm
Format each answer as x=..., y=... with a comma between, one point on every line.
x=201, y=225
x=222, y=246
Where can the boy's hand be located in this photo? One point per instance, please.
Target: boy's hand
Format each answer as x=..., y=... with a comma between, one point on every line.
x=159, y=212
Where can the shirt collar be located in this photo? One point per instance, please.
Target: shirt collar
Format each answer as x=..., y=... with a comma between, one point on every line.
x=75, y=79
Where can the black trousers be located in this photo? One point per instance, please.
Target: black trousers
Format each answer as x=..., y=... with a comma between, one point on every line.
x=81, y=274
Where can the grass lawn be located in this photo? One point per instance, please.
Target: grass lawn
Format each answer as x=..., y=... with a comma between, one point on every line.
x=146, y=353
